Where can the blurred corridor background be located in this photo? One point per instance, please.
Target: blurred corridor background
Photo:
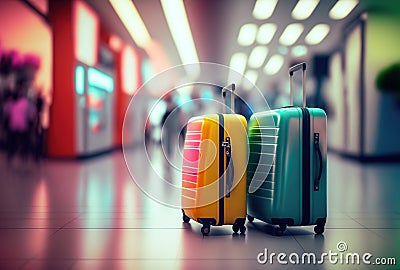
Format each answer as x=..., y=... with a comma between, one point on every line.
x=69, y=69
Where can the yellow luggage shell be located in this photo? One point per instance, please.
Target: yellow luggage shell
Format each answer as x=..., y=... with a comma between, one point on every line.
x=205, y=194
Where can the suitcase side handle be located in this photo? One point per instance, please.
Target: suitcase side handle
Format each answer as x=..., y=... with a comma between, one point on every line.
x=318, y=150
x=232, y=103
x=303, y=67
x=230, y=169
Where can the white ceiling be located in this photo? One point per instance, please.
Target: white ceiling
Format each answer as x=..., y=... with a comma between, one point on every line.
x=215, y=26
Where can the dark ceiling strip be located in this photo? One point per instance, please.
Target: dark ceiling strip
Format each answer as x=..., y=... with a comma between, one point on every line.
x=36, y=10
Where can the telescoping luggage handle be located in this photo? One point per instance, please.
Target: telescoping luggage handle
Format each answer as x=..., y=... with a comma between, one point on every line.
x=317, y=148
x=226, y=144
x=297, y=67
x=232, y=103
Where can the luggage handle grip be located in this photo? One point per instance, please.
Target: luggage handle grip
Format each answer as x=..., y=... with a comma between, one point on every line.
x=303, y=67
x=318, y=149
x=297, y=67
x=232, y=105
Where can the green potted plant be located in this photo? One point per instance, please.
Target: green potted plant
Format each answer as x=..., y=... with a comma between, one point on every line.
x=388, y=81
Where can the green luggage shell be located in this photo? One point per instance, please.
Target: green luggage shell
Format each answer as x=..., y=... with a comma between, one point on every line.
x=275, y=186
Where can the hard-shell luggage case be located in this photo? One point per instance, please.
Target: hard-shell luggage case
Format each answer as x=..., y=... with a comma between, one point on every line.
x=214, y=171
x=293, y=146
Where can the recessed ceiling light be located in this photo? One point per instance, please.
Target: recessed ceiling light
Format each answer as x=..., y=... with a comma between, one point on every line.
x=283, y=50
x=274, y=64
x=299, y=50
x=304, y=9
x=263, y=9
x=251, y=76
x=291, y=34
x=342, y=8
x=247, y=34
x=237, y=63
x=266, y=32
x=257, y=56
x=317, y=34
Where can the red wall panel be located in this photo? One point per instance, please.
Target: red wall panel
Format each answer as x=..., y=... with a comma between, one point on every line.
x=61, y=133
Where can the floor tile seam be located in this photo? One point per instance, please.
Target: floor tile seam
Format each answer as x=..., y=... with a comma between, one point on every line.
x=165, y=259
x=133, y=259
x=27, y=261
x=362, y=225
x=294, y=237
x=30, y=228
x=116, y=228
x=344, y=228
x=120, y=228
x=65, y=224
x=377, y=234
x=71, y=266
x=34, y=256
x=36, y=218
x=44, y=228
x=378, y=228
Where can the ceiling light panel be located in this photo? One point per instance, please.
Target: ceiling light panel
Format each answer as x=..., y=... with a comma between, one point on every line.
x=265, y=33
x=257, y=56
x=342, y=8
x=251, y=76
x=263, y=9
x=317, y=34
x=132, y=21
x=179, y=27
x=299, y=50
x=304, y=9
x=238, y=65
x=274, y=64
x=247, y=34
x=291, y=34
x=238, y=62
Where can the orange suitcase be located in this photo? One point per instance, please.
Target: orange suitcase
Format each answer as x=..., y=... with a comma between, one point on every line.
x=214, y=171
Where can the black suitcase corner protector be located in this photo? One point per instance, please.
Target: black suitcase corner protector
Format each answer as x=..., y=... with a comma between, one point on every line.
x=240, y=221
x=283, y=221
x=221, y=170
x=321, y=221
x=207, y=221
x=306, y=167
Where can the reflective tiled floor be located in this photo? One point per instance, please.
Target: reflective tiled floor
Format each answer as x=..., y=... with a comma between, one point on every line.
x=91, y=215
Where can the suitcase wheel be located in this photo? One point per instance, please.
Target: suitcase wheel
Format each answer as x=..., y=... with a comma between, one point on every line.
x=250, y=218
x=280, y=230
x=205, y=230
x=319, y=229
x=237, y=227
x=185, y=218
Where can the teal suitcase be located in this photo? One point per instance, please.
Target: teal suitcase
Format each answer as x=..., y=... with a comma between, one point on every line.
x=287, y=169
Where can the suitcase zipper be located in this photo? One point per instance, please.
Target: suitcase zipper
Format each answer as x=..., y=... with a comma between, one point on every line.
x=306, y=167
x=228, y=168
x=221, y=170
